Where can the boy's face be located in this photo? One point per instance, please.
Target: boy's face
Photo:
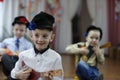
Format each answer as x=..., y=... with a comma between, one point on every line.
x=42, y=38
x=19, y=30
x=93, y=37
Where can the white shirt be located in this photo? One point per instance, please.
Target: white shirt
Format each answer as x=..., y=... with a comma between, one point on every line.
x=49, y=60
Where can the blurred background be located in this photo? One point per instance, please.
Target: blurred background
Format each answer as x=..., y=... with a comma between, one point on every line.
x=72, y=19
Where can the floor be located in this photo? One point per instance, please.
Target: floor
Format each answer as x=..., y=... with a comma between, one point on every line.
x=110, y=70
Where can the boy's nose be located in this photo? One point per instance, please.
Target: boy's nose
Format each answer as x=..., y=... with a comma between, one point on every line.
x=94, y=39
x=19, y=31
x=40, y=39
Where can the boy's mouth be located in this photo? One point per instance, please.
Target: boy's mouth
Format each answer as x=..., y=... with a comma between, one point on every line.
x=40, y=44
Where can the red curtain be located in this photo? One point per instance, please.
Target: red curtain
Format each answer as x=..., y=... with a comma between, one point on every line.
x=113, y=22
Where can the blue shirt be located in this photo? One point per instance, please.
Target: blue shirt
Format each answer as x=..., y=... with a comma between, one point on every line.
x=9, y=43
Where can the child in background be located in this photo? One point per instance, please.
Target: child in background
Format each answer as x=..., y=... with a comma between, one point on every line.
x=15, y=44
x=42, y=59
x=87, y=70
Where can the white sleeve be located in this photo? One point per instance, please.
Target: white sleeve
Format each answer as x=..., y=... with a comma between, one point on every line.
x=58, y=65
x=3, y=44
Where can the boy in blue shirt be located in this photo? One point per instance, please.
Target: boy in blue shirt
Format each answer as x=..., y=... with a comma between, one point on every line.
x=15, y=44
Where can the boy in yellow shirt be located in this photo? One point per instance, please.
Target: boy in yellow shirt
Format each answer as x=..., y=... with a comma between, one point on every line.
x=87, y=68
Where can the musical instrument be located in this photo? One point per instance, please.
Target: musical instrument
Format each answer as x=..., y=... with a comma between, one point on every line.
x=36, y=75
x=9, y=52
x=108, y=44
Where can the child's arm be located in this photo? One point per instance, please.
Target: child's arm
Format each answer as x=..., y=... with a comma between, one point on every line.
x=100, y=54
x=7, y=51
x=22, y=74
x=76, y=48
x=2, y=51
x=20, y=71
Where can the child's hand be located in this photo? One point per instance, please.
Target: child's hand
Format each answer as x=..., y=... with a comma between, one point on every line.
x=84, y=50
x=16, y=53
x=23, y=74
x=96, y=50
x=2, y=51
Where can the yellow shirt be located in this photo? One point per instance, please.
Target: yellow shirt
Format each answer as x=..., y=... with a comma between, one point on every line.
x=93, y=60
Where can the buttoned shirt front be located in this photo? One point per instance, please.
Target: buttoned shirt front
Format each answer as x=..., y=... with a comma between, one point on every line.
x=9, y=43
x=49, y=60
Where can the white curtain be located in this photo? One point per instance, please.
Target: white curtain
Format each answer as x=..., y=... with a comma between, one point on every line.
x=36, y=7
x=65, y=34
x=1, y=19
x=92, y=10
x=98, y=12
x=10, y=10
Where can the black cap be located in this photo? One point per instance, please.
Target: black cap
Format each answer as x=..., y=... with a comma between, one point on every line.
x=42, y=20
x=92, y=27
x=20, y=20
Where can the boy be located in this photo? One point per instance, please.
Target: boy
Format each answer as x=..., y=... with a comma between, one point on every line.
x=41, y=59
x=87, y=67
x=15, y=44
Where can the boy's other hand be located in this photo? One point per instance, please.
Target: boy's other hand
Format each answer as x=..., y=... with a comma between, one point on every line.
x=23, y=74
x=84, y=51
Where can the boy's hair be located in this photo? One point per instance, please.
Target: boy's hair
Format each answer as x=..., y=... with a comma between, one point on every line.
x=42, y=21
x=92, y=27
x=20, y=20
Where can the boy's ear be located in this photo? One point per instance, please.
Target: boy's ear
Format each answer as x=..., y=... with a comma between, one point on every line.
x=52, y=37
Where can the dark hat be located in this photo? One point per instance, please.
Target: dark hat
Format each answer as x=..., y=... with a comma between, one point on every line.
x=92, y=27
x=42, y=21
x=20, y=20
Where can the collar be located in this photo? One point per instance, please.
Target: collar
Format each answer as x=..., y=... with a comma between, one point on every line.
x=40, y=51
x=20, y=39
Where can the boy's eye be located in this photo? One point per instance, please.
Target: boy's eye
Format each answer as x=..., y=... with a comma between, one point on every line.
x=21, y=30
x=96, y=38
x=45, y=36
x=91, y=37
x=16, y=29
x=37, y=35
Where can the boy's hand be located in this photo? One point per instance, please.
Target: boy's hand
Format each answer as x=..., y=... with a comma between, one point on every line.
x=96, y=50
x=23, y=74
x=16, y=53
x=84, y=50
x=2, y=51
